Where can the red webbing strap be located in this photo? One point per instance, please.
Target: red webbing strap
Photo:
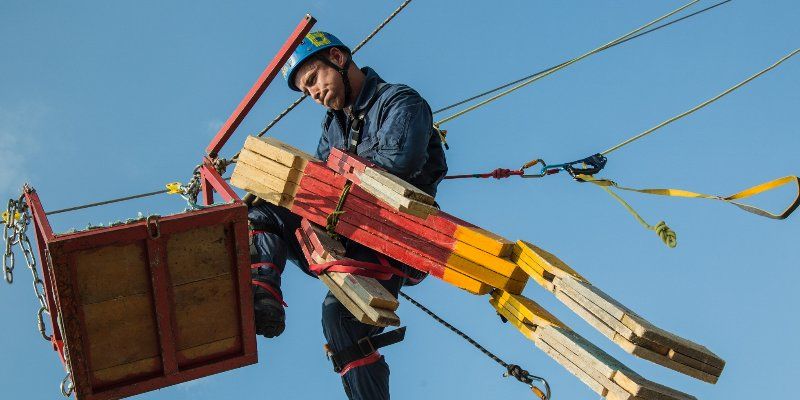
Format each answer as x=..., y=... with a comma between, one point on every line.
x=266, y=286
x=370, y=359
x=380, y=271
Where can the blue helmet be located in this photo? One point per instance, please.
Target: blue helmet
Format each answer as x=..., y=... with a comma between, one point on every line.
x=312, y=44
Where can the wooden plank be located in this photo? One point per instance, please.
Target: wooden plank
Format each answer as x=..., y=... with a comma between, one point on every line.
x=120, y=331
x=111, y=272
x=531, y=310
x=523, y=327
x=265, y=179
x=271, y=167
x=268, y=194
x=392, y=217
x=613, y=390
x=279, y=152
x=198, y=254
x=442, y=222
x=397, y=185
x=357, y=306
x=648, y=331
x=215, y=348
x=686, y=360
x=547, y=261
x=585, y=314
x=348, y=303
x=598, y=312
x=368, y=290
x=397, y=201
x=205, y=311
x=663, y=360
x=598, y=297
x=645, y=389
x=572, y=368
x=127, y=372
x=453, y=261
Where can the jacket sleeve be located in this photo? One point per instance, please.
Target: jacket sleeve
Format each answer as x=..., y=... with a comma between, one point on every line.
x=324, y=147
x=404, y=134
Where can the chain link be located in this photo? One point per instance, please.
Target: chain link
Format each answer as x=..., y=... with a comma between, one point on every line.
x=15, y=232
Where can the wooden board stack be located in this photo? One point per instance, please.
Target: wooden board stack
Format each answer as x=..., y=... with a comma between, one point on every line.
x=364, y=297
x=400, y=221
x=597, y=369
x=627, y=329
x=381, y=212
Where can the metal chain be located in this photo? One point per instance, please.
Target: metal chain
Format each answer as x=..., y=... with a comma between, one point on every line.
x=15, y=232
x=513, y=370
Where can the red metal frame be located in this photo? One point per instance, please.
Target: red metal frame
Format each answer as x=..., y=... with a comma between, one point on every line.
x=260, y=85
x=250, y=100
x=60, y=279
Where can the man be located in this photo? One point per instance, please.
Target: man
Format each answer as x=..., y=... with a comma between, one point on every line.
x=389, y=124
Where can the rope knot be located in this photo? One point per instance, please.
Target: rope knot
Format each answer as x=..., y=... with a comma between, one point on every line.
x=520, y=374
x=667, y=235
x=500, y=173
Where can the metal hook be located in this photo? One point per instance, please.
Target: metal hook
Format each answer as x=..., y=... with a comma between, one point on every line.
x=152, y=221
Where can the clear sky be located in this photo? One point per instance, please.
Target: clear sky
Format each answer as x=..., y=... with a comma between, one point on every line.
x=102, y=99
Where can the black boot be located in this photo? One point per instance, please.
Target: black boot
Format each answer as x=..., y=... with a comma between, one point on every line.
x=269, y=313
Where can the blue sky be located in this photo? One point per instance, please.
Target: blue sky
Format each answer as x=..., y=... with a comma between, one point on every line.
x=104, y=99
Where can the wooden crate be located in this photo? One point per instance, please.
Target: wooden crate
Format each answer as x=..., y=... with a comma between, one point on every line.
x=152, y=303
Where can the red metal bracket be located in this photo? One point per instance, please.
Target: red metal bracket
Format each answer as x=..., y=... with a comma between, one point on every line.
x=260, y=86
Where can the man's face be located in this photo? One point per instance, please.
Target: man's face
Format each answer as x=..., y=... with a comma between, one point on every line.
x=321, y=82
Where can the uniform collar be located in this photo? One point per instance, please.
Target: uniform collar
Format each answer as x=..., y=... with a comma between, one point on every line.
x=368, y=89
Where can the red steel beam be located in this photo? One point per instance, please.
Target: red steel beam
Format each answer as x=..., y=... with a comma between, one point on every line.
x=260, y=86
x=211, y=178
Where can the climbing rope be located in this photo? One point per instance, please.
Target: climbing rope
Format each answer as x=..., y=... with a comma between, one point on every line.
x=354, y=51
x=653, y=29
x=563, y=65
x=701, y=105
x=512, y=370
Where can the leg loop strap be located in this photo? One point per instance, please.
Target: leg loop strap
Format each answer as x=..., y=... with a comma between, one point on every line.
x=364, y=351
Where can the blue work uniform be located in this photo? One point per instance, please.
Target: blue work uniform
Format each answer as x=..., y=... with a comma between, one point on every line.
x=398, y=135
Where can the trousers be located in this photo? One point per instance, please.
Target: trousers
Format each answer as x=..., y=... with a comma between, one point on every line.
x=275, y=243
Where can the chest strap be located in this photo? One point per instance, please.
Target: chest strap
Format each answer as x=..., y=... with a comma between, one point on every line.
x=357, y=121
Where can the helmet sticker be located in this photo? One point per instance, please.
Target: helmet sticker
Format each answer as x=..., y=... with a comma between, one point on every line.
x=318, y=39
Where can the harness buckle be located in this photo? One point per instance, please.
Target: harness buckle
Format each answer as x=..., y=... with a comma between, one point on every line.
x=366, y=350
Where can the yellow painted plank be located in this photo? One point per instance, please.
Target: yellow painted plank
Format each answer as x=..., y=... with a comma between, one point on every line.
x=484, y=274
x=462, y=281
x=529, y=308
x=525, y=329
x=548, y=261
x=501, y=265
x=488, y=241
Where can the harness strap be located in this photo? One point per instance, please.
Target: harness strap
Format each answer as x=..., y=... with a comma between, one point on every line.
x=364, y=351
x=266, y=286
x=357, y=121
x=380, y=272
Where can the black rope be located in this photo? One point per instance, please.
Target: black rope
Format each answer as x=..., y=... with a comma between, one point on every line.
x=653, y=29
x=514, y=370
